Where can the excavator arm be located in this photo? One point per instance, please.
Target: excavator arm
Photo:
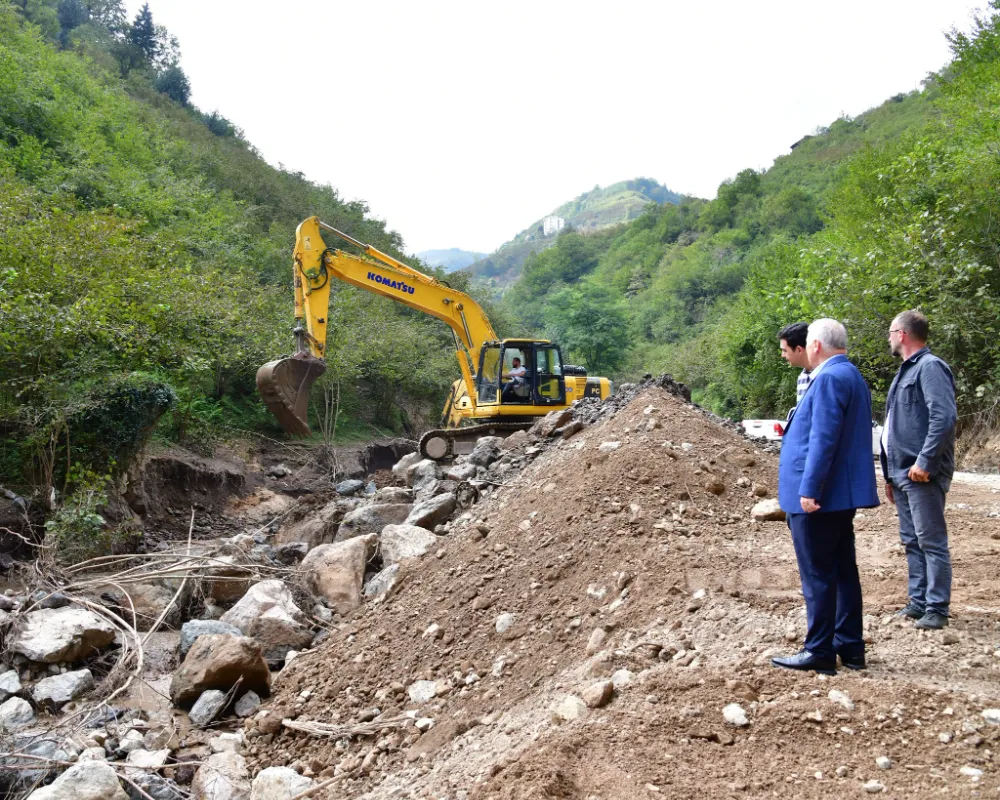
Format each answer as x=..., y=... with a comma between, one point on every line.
x=284, y=384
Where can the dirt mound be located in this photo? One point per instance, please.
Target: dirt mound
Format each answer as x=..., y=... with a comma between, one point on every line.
x=627, y=553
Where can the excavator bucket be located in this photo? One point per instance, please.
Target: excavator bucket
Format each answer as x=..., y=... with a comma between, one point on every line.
x=284, y=386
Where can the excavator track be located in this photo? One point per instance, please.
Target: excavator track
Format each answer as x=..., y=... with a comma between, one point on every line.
x=450, y=442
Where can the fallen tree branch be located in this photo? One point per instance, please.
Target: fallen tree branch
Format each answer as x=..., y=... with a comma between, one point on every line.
x=351, y=729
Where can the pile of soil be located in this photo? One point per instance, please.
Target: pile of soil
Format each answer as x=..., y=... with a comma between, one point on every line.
x=628, y=551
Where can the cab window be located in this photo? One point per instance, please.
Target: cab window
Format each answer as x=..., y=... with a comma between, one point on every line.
x=489, y=376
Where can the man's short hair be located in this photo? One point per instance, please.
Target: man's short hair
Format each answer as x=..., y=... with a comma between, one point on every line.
x=794, y=335
x=914, y=323
x=828, y=332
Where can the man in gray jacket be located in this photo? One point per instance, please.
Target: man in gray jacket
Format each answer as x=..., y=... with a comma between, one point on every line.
x=918, y=461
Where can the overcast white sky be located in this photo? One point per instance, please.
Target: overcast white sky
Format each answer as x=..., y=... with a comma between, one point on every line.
x=460, y=123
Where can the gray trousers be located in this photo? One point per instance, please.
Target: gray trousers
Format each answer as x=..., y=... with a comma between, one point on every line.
x=924, y=534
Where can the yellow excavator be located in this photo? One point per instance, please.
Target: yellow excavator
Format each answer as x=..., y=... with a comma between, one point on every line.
x=486, y=400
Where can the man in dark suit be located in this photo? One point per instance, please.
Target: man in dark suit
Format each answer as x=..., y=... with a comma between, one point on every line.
x=826, y=472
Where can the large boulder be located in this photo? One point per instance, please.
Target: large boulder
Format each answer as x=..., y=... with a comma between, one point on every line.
x=219, y=662
x=222, y=776
x=547, y=425
x=486, y=451
x=55, y=635
x=462, y=472
x=515, y=440
x=267, y=613
x=86, y=780
x=422, y=474
x=431, y=512
x=56, y=691
x=200, y=627
x=336, y=571
x=407, y=461
x=399, y=542
x=279, y=783
x=371, y=519
x=319, y=527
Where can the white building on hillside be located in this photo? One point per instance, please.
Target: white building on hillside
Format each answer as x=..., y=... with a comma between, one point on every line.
x=552, y=225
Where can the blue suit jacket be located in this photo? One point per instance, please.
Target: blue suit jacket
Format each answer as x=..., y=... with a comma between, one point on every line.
x=826, y=452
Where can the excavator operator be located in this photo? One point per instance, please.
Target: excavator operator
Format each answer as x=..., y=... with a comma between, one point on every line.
x=517, y=378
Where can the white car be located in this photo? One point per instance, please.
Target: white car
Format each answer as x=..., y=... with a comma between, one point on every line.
x=770, y=429
x=774, y=429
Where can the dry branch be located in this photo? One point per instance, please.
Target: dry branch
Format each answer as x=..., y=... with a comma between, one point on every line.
x=351, y=729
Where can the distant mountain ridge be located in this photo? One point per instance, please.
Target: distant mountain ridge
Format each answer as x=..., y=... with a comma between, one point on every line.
x=599, y=208
x=451, y=259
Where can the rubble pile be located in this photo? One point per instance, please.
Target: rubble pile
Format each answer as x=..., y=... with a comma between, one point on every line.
x=583, y=610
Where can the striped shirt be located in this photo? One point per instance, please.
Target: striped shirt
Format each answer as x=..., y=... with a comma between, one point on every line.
x=803, y=383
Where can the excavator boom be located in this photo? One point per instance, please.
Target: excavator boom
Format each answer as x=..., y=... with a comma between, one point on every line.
x=284, y=384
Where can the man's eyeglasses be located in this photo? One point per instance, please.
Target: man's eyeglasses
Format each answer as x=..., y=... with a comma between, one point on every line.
x=897, y=330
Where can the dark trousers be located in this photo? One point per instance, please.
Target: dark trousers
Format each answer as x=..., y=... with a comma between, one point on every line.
x=923, y=531
x=824, y=548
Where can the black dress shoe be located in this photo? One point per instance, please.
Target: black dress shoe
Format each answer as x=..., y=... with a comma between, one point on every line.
x=806, y=661
x=853, y=662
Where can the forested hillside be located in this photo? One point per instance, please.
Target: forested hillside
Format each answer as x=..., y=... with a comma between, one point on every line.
x=145, y=258
x=894, y=209
x=592, y=211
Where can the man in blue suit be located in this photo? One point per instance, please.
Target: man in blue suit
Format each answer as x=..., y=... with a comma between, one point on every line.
x=825, y=474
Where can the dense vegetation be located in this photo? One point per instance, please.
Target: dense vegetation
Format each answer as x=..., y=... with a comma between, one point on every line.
x=895, y=209
x=145, y=259
x=591, y=211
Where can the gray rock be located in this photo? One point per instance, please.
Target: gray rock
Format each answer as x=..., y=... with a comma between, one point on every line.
x=319, y=527
x=422, y=691
x=349, y=487
x=571, y=709
x=463, y=472
x=155, y=786
x=55, y=635
x=407, y=461
x=422, y=474
x=393, y=494
x=10, y=684
x=207, y=707
x=15, y=714
x=486, y=451
x=199, y=627
x=291, y=552
x=222, y=776
x=267, y=613
x=371, y=519
x=370, y=488
x=247, y=705
x=515, y=440
x=547, y=425
x=599, y=694
x=503, y=623
x=434, y=511
x=768, y=511
x=87, y=780
x=336, y=571
x=58, y=690
x=399, y=542
x=279, y=783
x=381, y=582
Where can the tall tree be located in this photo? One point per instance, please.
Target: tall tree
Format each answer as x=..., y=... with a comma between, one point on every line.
x=109, y=13
x=142, y=34
x=174, y=84
x=72, y=14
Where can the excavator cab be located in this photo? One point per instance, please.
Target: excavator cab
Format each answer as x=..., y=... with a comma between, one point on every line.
x=543, y=383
